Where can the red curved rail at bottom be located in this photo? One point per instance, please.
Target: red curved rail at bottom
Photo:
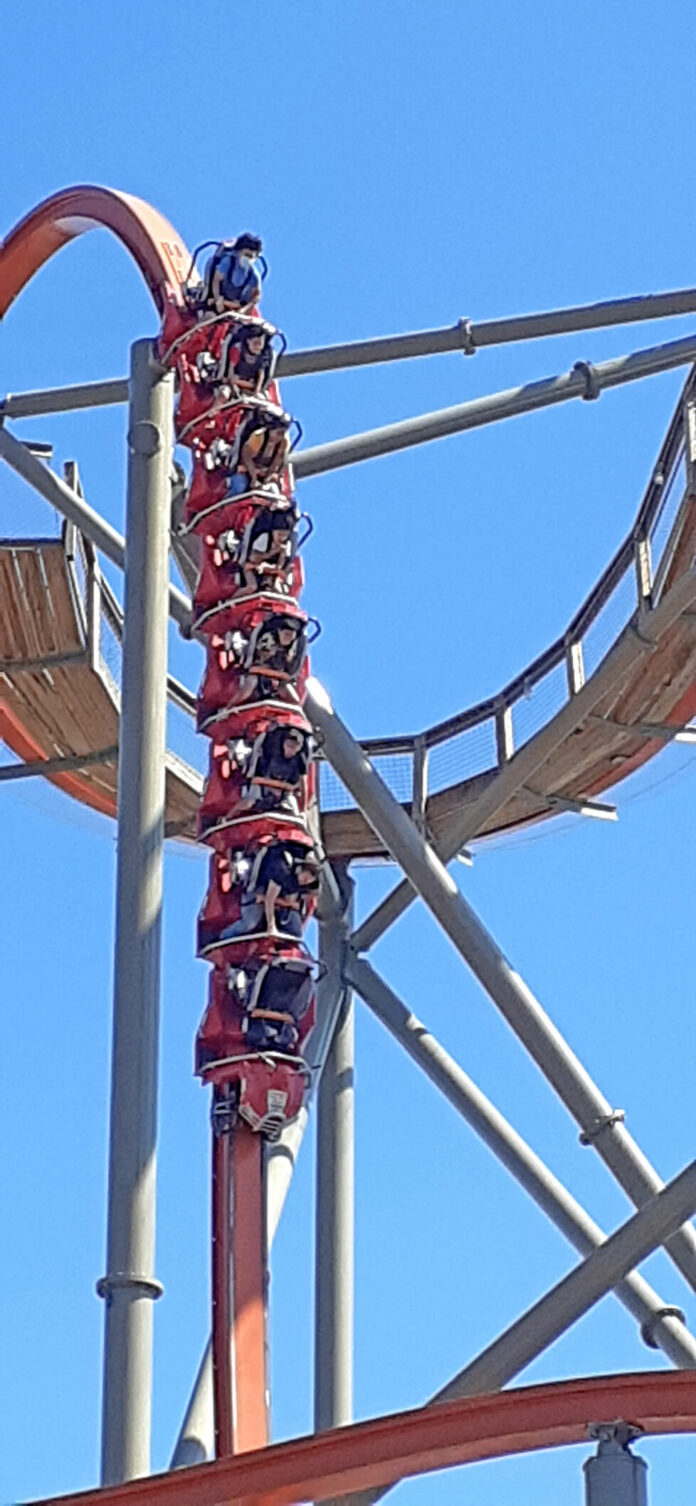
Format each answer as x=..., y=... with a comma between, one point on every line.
x=414, y=1443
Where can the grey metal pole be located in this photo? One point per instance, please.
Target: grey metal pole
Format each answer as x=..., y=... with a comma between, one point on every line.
x=72, y=506
x=615, y=1476
x=583, y=381
x=463, y=336
x=526, y=763
x=129, y=1285
x=196, y=1440
x=660, y=1324
x=501, y=981
x=468, y=337
x=334, y=1255
x=65, y=399
x=567, y=1301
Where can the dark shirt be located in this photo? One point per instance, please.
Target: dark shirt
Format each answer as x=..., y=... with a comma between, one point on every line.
x=272, y=763
x=277, y=867
x=288, y=990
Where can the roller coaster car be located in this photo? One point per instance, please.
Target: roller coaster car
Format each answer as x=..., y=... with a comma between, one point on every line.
x=269, y=890
x=264, y=781
x=231, y=278
x=263, y=658
x=253, y=450
x=248, y=357
x=247, y=588
x=208, y=506
x=261, y=1004
x=268, y=1090
x=207, y=414
x=259, y=555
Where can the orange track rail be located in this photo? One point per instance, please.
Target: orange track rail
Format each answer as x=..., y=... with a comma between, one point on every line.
x=250, y=1430
x=239, y=1297
x=163, y=259
x=155, y=245
x=414, y=1443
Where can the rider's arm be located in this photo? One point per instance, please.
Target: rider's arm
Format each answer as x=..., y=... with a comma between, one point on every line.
x=270, y=899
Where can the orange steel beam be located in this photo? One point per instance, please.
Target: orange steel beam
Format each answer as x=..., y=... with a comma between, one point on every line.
x=413, y=1443
x=163, y=260
x=250, y=1430
x=156, y=246
x=223, y=1395
x=239, y=1289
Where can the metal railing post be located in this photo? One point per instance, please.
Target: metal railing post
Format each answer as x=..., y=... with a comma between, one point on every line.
x=129, y=1285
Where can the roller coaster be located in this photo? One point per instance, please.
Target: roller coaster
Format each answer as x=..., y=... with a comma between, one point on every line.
x=290, y=801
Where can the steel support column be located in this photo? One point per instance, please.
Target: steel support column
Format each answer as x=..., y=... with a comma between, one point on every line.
x=334, y=1274
x=129, y=1285
x=504, y=985
x=615, y=1476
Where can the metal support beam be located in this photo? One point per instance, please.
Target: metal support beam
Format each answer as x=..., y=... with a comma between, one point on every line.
x=334, y=1258
x=195, y=1443
x=581, y=807
x=662, y=730
x=618, y=664
x=489, y=410
x=659, y=1322
x=129, y=1285
x=561, y=1307
x=65, y=399
x=47, y=766
x=615, y=1476
x=501, y=981
x=469, y=337
x=44, y=661
x=463, y=336
x=67, y=502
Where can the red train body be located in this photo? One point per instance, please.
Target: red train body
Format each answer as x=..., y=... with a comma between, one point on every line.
x=258, y=811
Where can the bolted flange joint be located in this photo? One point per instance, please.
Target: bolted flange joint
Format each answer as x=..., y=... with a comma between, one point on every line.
x=145, y=438
x=468, y=346
x=586, y=370
x=141, y=1286
x=647, y=1329
x=619, y=1433
x=604, y=1121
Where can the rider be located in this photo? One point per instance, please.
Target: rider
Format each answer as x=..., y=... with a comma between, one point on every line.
x=277, y=891
x=234, y=281
x=260, y=450
x=248, y=359
x=280, y=997
x=277, y=767
x=264, y=554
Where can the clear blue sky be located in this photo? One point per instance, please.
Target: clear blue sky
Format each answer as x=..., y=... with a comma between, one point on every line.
x=406, y=166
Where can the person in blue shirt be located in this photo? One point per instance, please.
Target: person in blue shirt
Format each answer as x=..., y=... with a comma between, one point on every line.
x=233, y=278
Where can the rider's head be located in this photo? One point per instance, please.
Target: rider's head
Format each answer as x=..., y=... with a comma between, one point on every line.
x=308, y=872
x=248, y=244
x=293, y=742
